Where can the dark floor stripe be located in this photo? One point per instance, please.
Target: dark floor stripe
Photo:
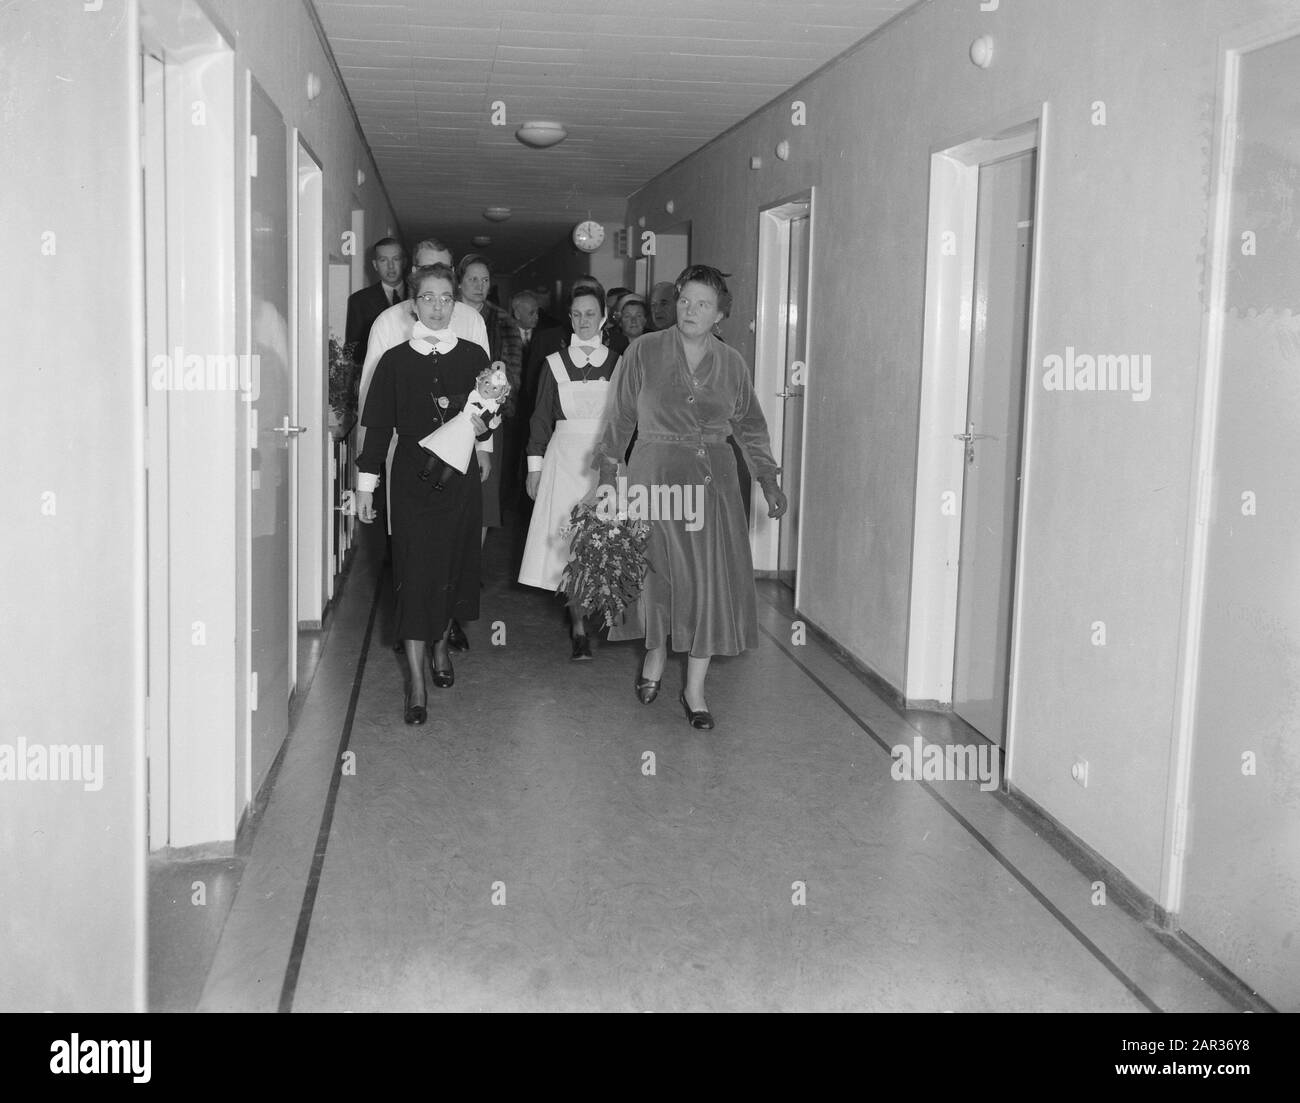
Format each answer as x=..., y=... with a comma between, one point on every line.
x=327, y=818
x=970, y=828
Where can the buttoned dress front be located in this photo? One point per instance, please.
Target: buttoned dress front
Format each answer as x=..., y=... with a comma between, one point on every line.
x=436, y=539
x=699, y=592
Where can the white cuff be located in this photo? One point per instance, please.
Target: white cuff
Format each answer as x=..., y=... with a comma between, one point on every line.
x=484, y=445
x=366, y=482
x=535, y=463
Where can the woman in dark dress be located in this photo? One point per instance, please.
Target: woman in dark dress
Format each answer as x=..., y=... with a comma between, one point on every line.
x=684, y=391
x=416, y=387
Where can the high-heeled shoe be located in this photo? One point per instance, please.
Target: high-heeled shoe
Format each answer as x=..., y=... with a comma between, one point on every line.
x=415, y=714
x=647, y=689
x=701, y=719
x=456, y=638
x=442, y=678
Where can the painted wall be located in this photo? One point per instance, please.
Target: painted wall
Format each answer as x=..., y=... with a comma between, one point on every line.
x=1124, y=225
x=278, y=43
x=72, y=890
x=565, y=262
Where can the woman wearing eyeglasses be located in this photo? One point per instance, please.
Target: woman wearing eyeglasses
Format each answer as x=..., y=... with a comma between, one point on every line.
x=573, y=397
x=416, y=387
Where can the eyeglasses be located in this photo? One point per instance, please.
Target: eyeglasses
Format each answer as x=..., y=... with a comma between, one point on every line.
x=430, y=299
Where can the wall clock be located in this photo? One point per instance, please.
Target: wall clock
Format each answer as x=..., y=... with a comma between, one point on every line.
x=588, y=236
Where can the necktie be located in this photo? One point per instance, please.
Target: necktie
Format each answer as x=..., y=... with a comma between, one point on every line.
x=397, y=295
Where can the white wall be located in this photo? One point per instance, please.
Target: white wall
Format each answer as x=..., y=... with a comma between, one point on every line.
x=1124, y=224
x=72, y=924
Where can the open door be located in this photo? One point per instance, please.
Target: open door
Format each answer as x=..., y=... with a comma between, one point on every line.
x=991, y=443
x=272, y=437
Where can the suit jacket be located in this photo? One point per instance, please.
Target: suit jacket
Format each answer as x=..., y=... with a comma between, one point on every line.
x=364, y=307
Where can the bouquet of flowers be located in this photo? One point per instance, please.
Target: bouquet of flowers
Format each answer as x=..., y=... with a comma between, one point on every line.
x=343, y=377
x=451, y=444
x=607, y=562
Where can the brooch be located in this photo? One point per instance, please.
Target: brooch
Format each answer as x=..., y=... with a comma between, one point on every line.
x=444, y=402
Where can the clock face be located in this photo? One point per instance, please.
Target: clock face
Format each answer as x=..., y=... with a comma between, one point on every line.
x=588, y=236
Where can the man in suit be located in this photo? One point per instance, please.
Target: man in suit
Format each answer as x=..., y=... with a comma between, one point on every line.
x=663, y=305
x=524, y=309
x=364, y=306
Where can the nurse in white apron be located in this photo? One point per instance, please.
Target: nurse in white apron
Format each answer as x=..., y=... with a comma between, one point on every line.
x=573, y=398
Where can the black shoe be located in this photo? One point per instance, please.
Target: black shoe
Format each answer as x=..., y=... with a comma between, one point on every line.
x=581, y=648
x=647, y=689
x=415, y=714
x=456, y=638
x=442, y=678
x=703, y=719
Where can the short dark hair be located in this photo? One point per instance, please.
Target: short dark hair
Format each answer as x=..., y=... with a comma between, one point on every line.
x=374, y=249
x=467, y=260
x=416, y=276
x=591, y=290
x=710, y=277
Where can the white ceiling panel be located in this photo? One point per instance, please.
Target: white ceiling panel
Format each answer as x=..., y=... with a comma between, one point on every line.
x=638, y=86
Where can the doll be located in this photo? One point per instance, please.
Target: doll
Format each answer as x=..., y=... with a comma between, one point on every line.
x=449, y=446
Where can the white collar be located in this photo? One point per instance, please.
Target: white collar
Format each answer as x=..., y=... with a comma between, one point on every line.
x=425, y=340
x=599, y=351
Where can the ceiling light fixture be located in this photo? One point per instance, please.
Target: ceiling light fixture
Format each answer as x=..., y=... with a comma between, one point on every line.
x=496, y=214
x=482, y=240
x=541, y=135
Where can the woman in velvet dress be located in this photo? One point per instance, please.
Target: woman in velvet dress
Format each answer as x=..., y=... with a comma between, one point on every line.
x=416, y=387
x=684, y=391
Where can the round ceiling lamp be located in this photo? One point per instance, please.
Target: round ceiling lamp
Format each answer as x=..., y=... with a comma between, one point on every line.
x=496, y=214
x=482, y=240
x=541, y=135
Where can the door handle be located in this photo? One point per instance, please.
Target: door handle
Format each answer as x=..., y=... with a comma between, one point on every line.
x=287, y=429
x=789, y=394
x=969, y=438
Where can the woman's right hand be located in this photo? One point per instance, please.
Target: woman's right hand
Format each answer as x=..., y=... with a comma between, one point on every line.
x=533, y=481
x=365, y=506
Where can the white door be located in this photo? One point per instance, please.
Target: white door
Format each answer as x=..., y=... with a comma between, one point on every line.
x=153, y=150
x=1003, y=247
x=792, y=398
x=272, y=566
x=1241, y=890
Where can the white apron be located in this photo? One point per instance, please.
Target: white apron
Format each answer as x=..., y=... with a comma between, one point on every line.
x=567, y=474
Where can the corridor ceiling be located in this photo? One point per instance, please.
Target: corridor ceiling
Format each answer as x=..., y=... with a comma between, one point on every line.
x=639, y=84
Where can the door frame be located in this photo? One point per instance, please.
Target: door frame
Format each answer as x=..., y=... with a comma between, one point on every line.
x=312, y=399
x=771, y=329
x=193, y=769
x=1232, y=48
x=945, y=377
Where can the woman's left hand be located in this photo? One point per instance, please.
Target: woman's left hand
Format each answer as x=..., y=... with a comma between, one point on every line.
x=776, y=501
x=484, y=466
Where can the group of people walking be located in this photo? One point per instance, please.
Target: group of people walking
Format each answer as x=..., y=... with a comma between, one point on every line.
x=679, y=391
